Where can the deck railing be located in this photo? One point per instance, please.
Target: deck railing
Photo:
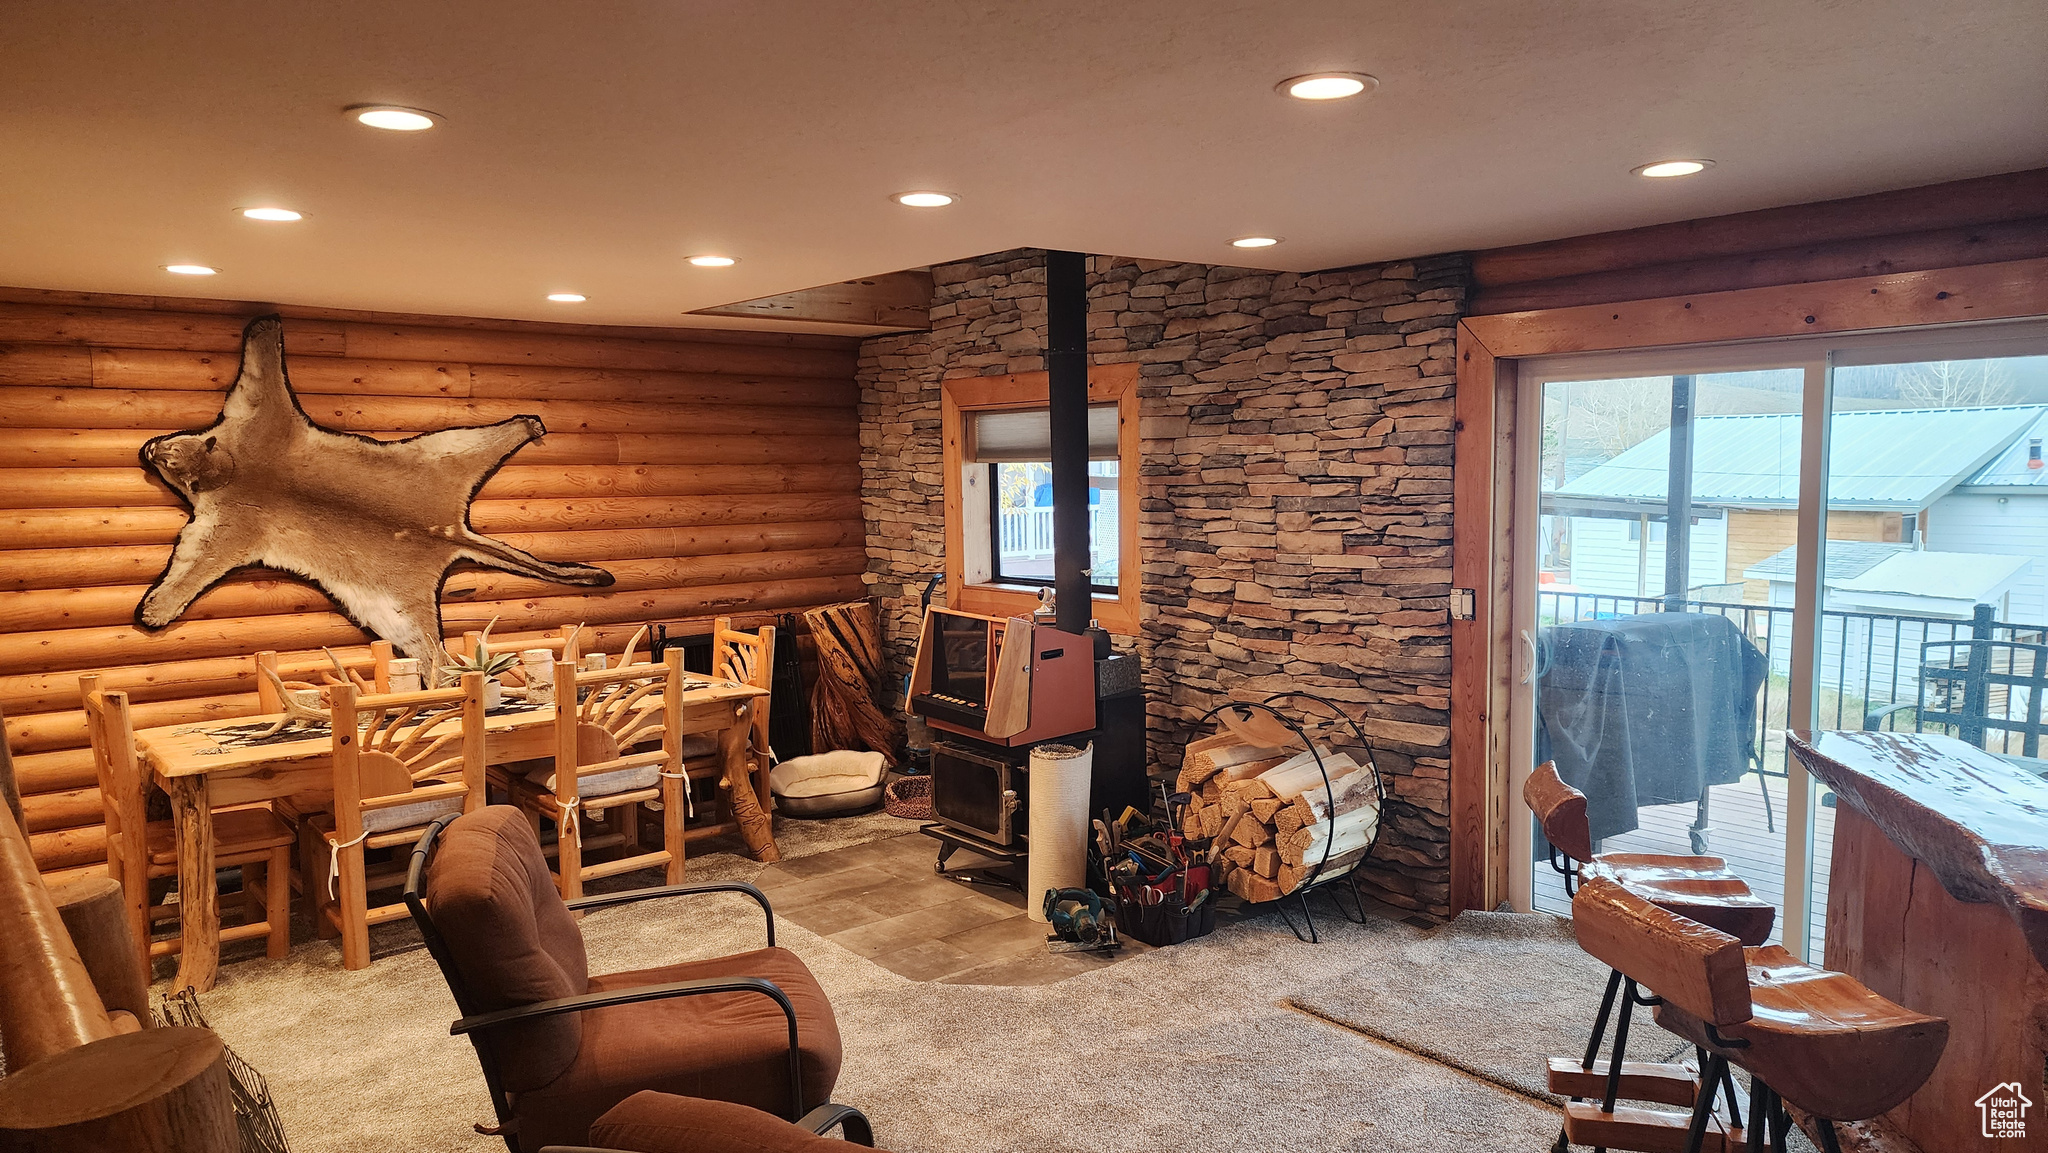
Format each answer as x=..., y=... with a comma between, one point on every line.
x=1026, y=534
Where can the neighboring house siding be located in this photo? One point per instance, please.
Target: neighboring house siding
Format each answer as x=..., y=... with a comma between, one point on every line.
x=1756, y=534
x=1605, y=560
x=2019, y=527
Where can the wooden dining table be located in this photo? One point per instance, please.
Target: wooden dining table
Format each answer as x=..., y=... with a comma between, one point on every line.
x=202, y=767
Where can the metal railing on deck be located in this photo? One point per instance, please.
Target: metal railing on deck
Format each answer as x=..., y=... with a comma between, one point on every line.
x=1871, y=666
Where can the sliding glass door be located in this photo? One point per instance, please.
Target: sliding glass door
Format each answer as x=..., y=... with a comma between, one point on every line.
x=1675, y=611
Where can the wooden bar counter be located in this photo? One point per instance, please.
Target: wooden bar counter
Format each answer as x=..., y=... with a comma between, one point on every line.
x=1938, y=899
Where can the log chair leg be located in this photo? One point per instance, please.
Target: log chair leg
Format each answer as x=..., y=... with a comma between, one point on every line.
x=354, y=902
x=251, y=897
x=672, y=802
x=314, y=849
x=629, y=829
x=198, y=890
x=569, y=857
x=277, y=903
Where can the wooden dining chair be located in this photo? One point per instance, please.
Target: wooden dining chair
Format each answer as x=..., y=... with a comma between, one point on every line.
x=401, y=760
x=249, y=837
x=748, y=659
x=601, y=717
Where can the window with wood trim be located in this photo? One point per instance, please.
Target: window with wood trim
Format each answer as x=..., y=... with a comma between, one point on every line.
x=999, y=493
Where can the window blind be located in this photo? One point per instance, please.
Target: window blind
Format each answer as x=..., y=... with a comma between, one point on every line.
x=1021, y=436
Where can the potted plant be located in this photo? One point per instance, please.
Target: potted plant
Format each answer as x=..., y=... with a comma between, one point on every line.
x=481, y=660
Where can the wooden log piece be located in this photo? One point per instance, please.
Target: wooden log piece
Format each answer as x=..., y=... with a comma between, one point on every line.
x=95, y=914
x=1266, y=862
x=1252, y=887
x=156, y=1091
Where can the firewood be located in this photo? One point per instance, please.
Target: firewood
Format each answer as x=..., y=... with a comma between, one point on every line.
x=1291, y=818
x=1240, y=855
x=1212, y=790
x=1246, y=790
x=1264, y=809
x=1301, y=772
x=1248, y=770
x=1290, y=878
x=1354, y=830
x=1266, y=861
x=1252, y=834
x=1211, y=821
x=1252, y=887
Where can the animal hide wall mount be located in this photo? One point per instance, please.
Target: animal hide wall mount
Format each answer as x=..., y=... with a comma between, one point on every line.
x=376, y=525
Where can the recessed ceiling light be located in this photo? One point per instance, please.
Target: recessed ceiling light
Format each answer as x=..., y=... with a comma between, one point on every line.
x=1327, y=85
x=277, y=214
x=190, y=269
x=1255, y=242
x=393, y=117
x=567, y=297
x=1667, y=168
x=708, y=261
x=925, y=199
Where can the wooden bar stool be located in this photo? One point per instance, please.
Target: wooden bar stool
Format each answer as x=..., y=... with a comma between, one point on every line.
x=1701, y=889
x=1811, y=1038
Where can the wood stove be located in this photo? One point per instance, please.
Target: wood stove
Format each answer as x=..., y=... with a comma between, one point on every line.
x=983, y=790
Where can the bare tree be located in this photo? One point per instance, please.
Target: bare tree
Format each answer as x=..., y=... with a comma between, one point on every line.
x=1617, y=415
x=1955, y=383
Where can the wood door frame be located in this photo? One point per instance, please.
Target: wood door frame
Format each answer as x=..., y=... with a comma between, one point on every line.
x=1483, y=448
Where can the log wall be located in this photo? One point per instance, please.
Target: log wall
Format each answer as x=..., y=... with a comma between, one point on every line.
x=711, y=472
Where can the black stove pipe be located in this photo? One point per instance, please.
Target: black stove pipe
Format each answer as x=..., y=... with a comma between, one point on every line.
x=1066, y=363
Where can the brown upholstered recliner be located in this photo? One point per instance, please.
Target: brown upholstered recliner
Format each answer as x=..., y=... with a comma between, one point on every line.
x=649, y=1122
x=558, y=1046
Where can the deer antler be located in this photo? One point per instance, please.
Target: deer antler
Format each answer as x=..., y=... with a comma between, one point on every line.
x=627, y=657
x=294, y=712
x=347, y=675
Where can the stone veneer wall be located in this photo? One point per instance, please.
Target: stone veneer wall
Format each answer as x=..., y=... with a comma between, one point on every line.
x=1296, y=495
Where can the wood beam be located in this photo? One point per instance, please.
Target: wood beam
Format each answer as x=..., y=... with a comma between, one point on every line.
x=896, y=301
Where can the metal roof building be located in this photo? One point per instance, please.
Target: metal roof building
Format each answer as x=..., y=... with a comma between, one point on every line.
x=1886, y=459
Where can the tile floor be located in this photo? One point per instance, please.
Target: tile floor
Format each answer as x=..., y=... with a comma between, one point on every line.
x=884, y=901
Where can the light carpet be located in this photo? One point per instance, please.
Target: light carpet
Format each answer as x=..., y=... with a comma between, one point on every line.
x=1493, y=994
x=1189, y=1047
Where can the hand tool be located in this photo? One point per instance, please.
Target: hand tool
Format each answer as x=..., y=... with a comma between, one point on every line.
x=1222, y=840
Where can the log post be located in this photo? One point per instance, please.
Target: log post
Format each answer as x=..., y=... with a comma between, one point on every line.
x=9, y=790
x=158, y=1091
x=47, y=1000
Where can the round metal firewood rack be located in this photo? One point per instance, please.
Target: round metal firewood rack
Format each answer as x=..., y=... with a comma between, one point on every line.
x=1333, y=883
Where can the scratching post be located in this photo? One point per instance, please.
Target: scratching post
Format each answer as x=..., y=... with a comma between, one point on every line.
x=1060, y=776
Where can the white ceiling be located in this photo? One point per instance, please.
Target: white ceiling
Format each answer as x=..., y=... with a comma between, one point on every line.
x=590, y=146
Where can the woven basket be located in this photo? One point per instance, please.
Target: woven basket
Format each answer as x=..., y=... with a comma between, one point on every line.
x=909, y=797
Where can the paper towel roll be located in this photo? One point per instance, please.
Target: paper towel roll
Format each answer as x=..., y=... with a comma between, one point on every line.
x=1060, y=776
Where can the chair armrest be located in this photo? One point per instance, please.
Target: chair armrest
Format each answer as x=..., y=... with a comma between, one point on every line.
x=482, y=1022
x=1876, y=717
x=605, y=900
x=852, y=1122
